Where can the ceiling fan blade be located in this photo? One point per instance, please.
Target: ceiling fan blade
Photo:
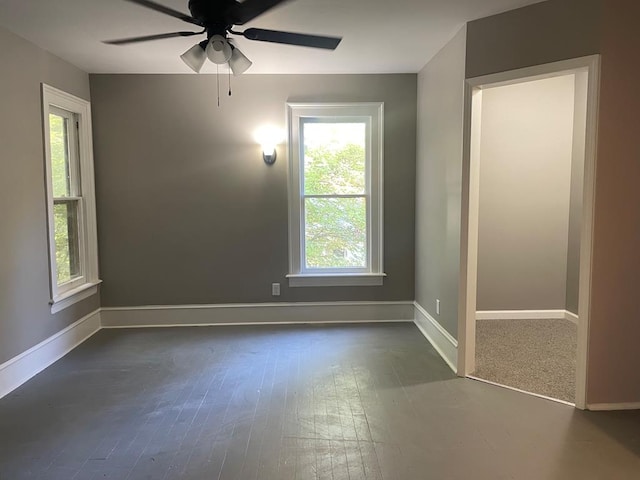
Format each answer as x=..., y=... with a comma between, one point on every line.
x=241, y=13
x=167, y=11
x=289, y=38
x=146, y=38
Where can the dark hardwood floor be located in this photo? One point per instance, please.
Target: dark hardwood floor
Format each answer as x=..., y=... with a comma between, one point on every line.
x=353, y=402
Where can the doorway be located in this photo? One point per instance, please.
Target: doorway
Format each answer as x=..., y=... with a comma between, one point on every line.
x=557, y=285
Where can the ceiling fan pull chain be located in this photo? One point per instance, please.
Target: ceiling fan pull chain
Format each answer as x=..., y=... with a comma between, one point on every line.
x=218, y=82
x=229, y=81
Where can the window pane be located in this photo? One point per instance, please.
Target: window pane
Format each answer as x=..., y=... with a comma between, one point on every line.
x=59, y=138
x=66, y=238
x=335, y=232
x=334, y=158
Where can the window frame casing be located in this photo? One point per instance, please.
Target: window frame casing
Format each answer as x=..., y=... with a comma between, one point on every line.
x=372, y=113
x=84, y=285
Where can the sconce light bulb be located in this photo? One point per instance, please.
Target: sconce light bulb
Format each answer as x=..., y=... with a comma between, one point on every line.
x=268, y=137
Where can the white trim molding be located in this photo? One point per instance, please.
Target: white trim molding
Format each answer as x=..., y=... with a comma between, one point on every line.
x=442, y=341
x=601, y=407
x=28, y=364
x=526, y=315
x=256, y=313
x=336, y=280
x=572, y=317
x=77, y=112
x=74, y=296
x=470, y=204
x=519, y=314
x=371, y=115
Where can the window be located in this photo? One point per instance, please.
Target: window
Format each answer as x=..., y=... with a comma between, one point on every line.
x=335, y=194
x=70, y=198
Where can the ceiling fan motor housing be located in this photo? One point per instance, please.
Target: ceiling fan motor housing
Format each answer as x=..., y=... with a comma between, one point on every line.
x=212, y=15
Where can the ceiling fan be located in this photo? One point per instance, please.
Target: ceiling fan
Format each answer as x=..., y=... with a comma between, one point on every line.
x=217, y=18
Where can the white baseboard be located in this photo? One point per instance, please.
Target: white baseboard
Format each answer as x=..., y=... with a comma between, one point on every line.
x=442, y=341
x=600, y=407
x=259, y=313
x=572, y=317
x=28, y=364
x=526, y=315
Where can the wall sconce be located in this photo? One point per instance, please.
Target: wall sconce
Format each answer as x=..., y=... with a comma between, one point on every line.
x=269, y=137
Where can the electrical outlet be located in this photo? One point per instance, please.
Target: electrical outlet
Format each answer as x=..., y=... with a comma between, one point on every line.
x=437, y=307
x=275, y=289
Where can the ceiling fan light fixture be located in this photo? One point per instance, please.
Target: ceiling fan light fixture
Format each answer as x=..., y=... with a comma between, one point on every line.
x=238, y=62
x=219, y=50
x=195, y=57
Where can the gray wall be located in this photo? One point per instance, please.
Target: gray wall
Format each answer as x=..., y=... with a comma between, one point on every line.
x=25, y=318
x=526, y=152
x=540, y=33
x=188, y=213
x=438, y=178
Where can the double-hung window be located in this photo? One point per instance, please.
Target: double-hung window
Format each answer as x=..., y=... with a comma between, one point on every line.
x=335, y=194
x=70, y=198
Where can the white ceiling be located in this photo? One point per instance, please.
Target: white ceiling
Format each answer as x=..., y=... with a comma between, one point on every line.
x=379, y=36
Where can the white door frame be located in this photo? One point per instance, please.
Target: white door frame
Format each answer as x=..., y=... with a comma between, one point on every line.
x=470, y=203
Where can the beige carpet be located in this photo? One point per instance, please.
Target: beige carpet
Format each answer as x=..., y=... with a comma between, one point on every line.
x=537, y=356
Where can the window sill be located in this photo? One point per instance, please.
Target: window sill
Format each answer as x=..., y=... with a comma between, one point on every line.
x=336, y=279
x=71, y=297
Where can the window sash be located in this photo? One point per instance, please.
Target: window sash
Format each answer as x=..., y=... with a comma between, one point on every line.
x=75, y=235
x=346, y=119
x=76, y=249
x=72, y=148
x=303, y=240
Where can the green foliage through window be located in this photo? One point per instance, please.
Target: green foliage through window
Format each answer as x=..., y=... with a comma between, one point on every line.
x=59, y=155
x=66, y=238
x=336, y=232
x=65, y=212
x=335, y=195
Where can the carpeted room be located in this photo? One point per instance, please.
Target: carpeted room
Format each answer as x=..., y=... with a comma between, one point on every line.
x=537, y=356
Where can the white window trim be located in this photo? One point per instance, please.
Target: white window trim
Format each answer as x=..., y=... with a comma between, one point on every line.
x=373, y=274
x=86, y=285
